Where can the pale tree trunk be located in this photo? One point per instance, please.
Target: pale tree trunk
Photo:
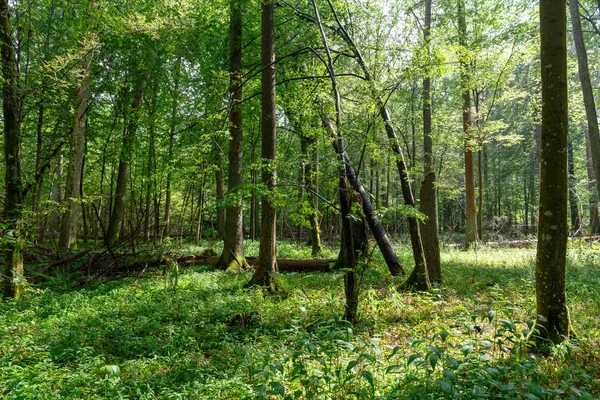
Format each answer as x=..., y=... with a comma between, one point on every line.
x=471, y=207
x=68, y=227
x=12, y=271
x=429, y=202
x=233, y=239
x=266, y=269
x=167, y=220
x=553, y=321
x=118, y=212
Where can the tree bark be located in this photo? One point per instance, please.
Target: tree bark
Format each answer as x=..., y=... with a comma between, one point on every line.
x=587, y=90
x=116, y=218
x=266, y=269
x=574, y=210
x=428, y=196
x=471, y=207
x=167, y=220
x=593, y=204
x=68, y=227
x=553, y=323
x=233, y=243
x=12, y=271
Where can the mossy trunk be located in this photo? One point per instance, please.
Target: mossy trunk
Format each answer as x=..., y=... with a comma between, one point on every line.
x=12, y=271
x=265, y=273
x=233, y=235
x=553, y=321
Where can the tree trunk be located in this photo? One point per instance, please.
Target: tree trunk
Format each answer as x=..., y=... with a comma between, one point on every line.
x=471, y=207
x=573, y=206
x=419, y=278
x=310, y=176
x=68, y=227
x=586, y=88
x=116, y=218
x=428, y=197
x=233, y=243
x=553, y=323
x=593, y=205
x=265, y=272
x=167, y=220
x=12, y=272
x=220, y=190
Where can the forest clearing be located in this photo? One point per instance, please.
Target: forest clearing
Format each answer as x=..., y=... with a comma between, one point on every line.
x=300, y=199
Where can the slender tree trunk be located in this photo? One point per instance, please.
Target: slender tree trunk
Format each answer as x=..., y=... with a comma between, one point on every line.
x=68, y=227
x=574, y=210
x=116, y=218
x=12, y=271
x=310, y=176
x=57, y=195
x=253, y=197
x=419, y=278
x=265, y=272
x=471, y=207
x=233, y=243
x=428, y=197
x=220, y=190
x=586, y=88
x=593, y=205
x=553, y=323
x=167, y=220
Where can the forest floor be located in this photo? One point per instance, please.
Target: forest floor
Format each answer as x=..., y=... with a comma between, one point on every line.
x=210, y=337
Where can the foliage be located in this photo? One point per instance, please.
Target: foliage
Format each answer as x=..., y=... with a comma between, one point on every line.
x=212, y=338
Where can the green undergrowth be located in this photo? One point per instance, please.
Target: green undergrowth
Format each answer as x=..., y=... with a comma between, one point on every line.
x=213, y=338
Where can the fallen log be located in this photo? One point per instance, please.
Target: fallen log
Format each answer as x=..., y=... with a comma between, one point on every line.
x=64, y=261
x=284, y=264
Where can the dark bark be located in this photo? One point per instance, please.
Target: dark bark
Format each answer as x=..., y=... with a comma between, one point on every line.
x=587, y=90
x=471, y=207
x=12, y=271
x=428, y=196
x=553, y=323
x=266, y=270
x=233, y=238
x=377, y=229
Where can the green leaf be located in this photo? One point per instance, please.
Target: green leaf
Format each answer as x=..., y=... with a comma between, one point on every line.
x=351, y=365
x=277, y=388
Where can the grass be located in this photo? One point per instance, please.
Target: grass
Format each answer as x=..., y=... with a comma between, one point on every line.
x=212, y=338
